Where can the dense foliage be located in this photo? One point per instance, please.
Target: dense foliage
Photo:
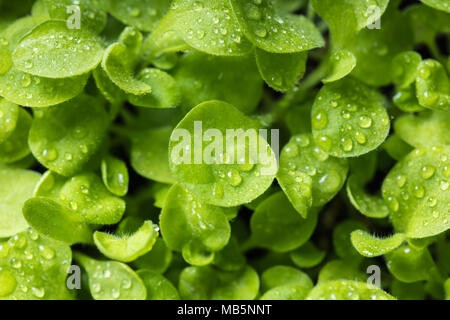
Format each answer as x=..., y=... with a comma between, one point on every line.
x=359, y=91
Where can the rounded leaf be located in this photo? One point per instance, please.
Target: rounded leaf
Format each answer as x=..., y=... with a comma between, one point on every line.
x=371, y=246
x=158, y=287
x=115, y=175
x=347, y=290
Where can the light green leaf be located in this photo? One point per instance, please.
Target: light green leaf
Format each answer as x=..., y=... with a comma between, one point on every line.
x=150, y=155
x=307, y=256
x=64, y=137
x=281, y=71
x=308, y=175
x=341, y=270
x=427, y=128
x=347, y=290
x=206, y=283
x=406, y=99
x=16, y=147
x=204, y=77
x=9, y=116
x=165, y=92
x=236, y=174
x=109, y=90
x=349, y=119
x=443, y=5
x=230, y=258
x=396, y=147
x=17, y=186
x=433, y=85
x=127, y=248
x=407, y=291
x=341, y=63
x=86, y=195
x=56, y=221
x=405, y=66
x=371, y=246
x=285, y=283
x=52, y=50
x=115, y=175
x=157, y=260
x=372, y=206
x=273, y=32
x=141, y=14
x=277, y=226
x=410, y=265
x=111, y=280
x=192, y=227
x=33, y=267
x=342, y=242
x=416, y=192
x=158, y=287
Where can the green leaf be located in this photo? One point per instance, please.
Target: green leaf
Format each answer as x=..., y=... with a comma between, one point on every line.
x=16, y=147
x=141, y=14
x=375, y=49
x=156, y=260
x=165, y=92
x=406, y=99
x=349, y=119
x=405, y=66
x=416, y=192
x=342, y=242
x=115, y=175
x=17, y=186
x=396, y=147
x=371, y=246
x=307, y=256
x=277, y=226
x=341, y=63
x=192, y=227
x=33, y=267
x=64, y=137
x=86, y=195
x=111, y=280
x=109, y=90
x=127, y=248
x=341, y=270
x=372, y=206
x=56, y=221
x=9, y=116
x=410, y=265
x=49, y=185
x=407, y=291
x=447, y=288
x=236, y=174
x=230, y=258
x=281, y=71
x=92, y=17
x=274, y=32
x=288, y=6
x=149, y=154
x=426, y=128
x=204, y=77
x=206, y=283
x=308, y=175
x=346, y=18
x=347, y=290
x=119, y=62
x=52, y=50
x=443, y=5
x=285, y=283
x=158, y=287
x=209, y=26
x=433, y=85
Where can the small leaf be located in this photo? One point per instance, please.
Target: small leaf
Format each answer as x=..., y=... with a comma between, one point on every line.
x=341, y=62
x=308, y=175
x=307, y=256
x=342, y=242
x=127, y=248
x=165, y=92
x=347, y=290
x=9, y=116
x=64, y=137
x=405, y=66
x=88, y=197
x=156, y=260
x=396, y=147
x=281, y=71
x=443, y=5
x=192, y=227
x=16, y=147
x=341, y=270
x=230, y=258
x=115, y=175
x=349, y=119
x=204, y=77
x=285, y=283
x=17, y=186
x=277, y=226
x=34, y=267
x=56, y=221
x=371, y=246
x=416, y=192
x=406, y=100
x=433, y=85
x=52, y=50
x=158, y=287
x=111, y=280
x=206, y=283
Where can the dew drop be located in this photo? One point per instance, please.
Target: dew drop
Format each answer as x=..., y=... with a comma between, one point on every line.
x=291, y=150
x=50, y=154
x=419, y=191
x=347, y=144
x=233, y=177
x=320, y=120
x=360, y=137
x=7, y=282
x=365, y=122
